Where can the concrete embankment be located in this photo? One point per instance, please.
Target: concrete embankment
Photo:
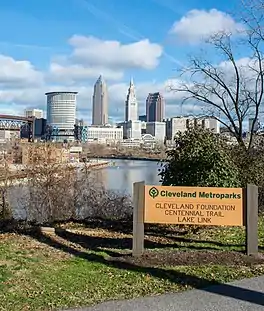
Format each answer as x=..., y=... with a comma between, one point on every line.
x=126, y=158
x=96, y=166
x=93, y=164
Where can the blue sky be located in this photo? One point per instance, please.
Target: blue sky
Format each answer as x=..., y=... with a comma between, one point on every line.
x=61, y=44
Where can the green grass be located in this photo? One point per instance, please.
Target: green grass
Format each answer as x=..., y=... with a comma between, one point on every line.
x=36, y=276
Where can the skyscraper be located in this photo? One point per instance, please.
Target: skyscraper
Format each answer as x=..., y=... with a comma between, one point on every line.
x=155, y=107
x=100, y=103
x=61, y=112
x=131, y=107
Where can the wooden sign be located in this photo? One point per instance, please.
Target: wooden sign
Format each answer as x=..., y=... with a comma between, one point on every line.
x=194, y=206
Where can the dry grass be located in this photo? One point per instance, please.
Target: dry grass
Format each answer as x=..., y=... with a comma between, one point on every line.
x=81, y=266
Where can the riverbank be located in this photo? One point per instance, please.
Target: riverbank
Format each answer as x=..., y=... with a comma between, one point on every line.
x=92, y=163
x=81, y=265
x=98, y=165
x=125, y=158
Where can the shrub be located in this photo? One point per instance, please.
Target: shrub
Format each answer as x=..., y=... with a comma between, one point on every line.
x=48, y=194
x=5, y=182
x=250, y=164
x=199, y=159
x=92, y=200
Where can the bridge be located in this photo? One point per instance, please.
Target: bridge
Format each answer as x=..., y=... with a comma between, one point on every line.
x=14, y=123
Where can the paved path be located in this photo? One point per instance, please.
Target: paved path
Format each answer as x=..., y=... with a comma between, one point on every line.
x=245, y=295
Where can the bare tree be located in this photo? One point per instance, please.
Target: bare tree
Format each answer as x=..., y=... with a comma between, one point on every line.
x=50, y=186
x=5, y=183
x=232, y=90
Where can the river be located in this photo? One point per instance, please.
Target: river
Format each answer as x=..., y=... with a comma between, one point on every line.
x=122, y=174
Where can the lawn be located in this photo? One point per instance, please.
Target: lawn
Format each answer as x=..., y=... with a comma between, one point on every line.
x=81, y=266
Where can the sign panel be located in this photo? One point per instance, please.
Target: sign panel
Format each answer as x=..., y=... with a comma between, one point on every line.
x=194, y=205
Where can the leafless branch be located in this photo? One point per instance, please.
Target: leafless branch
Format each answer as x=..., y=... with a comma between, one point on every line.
x=231, y=90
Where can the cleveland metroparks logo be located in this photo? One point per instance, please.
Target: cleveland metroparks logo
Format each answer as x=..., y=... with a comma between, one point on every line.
x=153, y=192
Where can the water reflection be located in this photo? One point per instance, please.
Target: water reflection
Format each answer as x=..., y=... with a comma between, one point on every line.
x=124, y=173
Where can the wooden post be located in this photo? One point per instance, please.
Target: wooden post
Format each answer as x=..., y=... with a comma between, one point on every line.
x=251, y=220
x=138, y=218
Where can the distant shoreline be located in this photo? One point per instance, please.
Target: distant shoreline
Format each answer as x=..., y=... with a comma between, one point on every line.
x=125, y=158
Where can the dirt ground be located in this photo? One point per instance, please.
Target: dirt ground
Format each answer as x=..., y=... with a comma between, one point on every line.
x=187, y=258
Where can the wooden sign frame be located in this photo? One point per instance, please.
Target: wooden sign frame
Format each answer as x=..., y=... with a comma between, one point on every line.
x=249, y=214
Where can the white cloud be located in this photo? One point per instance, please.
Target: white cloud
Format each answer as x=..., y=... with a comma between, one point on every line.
x=18, y=73
x=20, y=85
x=91, y=57
x=248, y=70
x=23, y=96
x=113, y=54
x=197, y=25
x=243, y=62
x=74, y=73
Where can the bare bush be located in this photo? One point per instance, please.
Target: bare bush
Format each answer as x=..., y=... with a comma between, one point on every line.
x=60, y=192
x=116, y=206
x=92, y=200
x=5, y=182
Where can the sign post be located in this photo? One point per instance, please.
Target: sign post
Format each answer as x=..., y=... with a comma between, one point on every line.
x=251, y=211
x=138, y=218
x=203, y=206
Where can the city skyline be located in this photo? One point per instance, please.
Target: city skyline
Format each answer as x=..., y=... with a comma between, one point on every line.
x=56, y=50
x=156, y=117
x=100, y=104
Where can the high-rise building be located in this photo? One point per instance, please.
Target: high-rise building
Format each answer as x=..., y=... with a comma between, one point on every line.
x=37, y=113
x=131, y=108
x=100, y=103
x=155, y=107
x=61, y=113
